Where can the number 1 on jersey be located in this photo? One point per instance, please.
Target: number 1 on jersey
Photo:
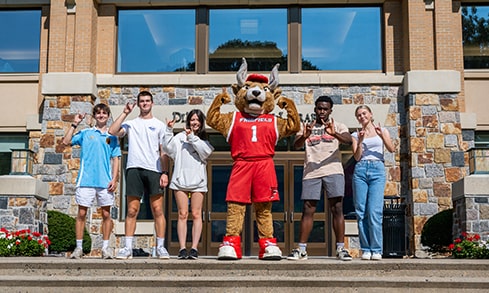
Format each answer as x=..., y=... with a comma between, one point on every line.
x=253, y=134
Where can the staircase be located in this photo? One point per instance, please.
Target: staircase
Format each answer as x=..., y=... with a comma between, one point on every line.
x=59, y=274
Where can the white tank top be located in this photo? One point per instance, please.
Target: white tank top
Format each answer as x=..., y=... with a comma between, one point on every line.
x=373, y=148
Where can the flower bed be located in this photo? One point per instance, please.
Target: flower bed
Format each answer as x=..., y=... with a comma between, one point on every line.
x=467, y=246
x=22, y=243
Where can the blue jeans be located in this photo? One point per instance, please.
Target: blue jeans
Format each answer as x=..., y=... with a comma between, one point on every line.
x=368, y=197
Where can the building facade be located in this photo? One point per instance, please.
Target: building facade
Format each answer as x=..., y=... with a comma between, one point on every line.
x=407, y=60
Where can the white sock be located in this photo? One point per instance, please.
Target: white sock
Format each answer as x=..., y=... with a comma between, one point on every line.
x=340, y=245
x=302, y=247
x=129, y=242
x=79, y=243
x=105, y=244
x=160, y=242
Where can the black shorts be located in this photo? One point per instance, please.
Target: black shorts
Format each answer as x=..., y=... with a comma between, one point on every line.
x=141, y=181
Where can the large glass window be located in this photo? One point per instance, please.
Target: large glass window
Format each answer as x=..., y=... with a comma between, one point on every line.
x=341, y=38
x=259, y=35
x=156, y=41
x=475, y=36
x=20, y=32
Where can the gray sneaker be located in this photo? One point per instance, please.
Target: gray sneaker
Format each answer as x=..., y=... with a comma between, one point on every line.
x=107, y=253
x=162, y=253
x=124, y=253
x=77, y=253
x=296, y=254
x=343, y=254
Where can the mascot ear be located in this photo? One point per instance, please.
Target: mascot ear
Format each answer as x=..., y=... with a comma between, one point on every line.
x=274, y=77
x=242, y=72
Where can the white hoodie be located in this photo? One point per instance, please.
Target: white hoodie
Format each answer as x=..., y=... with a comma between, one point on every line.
x=189, y=154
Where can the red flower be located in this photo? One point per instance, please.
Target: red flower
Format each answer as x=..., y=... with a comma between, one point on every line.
x=451, y=246
x=458, y=240
x=464, y=234
x=477, y=237
x=459, y=248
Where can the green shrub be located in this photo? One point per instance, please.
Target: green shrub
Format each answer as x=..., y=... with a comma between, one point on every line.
x=62, y=233
x=437, y=231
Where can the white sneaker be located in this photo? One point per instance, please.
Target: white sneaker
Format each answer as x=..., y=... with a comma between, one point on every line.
x=272, y=252
x=162, y=253
x=227, y=252
x=376, y=256
x=124, y=253
x=342, y=253
x=77, y=253
x=296, y=254
x=107, y=253
x=367, y=255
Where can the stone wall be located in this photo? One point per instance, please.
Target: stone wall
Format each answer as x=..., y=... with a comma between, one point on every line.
x=23, y=212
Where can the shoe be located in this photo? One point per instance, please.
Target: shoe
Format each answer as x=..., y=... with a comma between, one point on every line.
x=107, y=253
x=296, y=254
x=193, y=254
x=77, y=253
x=376, y=256
x=124, y=253
x=182, y=254
x=342, y=254
x=367, y=255
x=162, y=253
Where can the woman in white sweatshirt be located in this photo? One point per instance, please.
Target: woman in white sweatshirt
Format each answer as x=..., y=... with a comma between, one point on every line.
x=189, y=150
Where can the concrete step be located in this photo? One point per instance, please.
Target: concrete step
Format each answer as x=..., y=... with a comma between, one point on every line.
x=49, y=274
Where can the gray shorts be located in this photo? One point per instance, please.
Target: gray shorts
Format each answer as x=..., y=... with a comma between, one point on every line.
x=333, y=185
x=140, y=181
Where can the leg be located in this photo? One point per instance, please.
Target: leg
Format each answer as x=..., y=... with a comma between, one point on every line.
x=181, y=198
x=264, y=222
x=196, y=203
x=307, y=219
x=360, y=189
x=231, y=244
x=80, y=222
x=133, y=205
x=375, y=205
x=336, y=206
x=106, y=223
x=156, y=202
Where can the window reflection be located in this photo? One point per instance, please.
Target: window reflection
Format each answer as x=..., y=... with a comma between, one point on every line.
x=20, y=44
x=341, y=38
x=150, y=41
x=475, y=25
x=259, y=35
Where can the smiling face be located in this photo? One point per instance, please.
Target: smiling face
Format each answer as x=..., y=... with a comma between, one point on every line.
x=195, y=123
x=145, y=103
x=363, y=115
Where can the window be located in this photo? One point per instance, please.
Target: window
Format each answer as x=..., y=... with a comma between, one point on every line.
x=20, y=42
x=156, y=41
x=475, y=37
x=341, y=38
x=323, y=38
x=259, y=35
x=8, y=142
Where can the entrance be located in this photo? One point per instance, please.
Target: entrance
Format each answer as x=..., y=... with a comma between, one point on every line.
x=286, y=213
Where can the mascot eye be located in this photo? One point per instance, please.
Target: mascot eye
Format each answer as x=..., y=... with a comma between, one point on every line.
x=267, y=89
x=246, y=87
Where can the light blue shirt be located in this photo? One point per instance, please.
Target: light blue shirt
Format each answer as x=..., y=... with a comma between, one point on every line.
x=97, y=149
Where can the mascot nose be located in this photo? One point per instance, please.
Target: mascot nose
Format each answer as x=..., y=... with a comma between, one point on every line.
x=256, y=93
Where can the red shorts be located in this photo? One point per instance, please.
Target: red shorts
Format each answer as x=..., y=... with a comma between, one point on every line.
x=253, y=181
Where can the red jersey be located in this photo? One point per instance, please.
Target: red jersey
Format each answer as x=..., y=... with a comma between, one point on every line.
x=253, y=138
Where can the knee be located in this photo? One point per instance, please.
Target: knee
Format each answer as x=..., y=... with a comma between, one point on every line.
x=182, y=215
x=132, y=213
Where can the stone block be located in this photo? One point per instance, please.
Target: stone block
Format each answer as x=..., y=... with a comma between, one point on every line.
x=435, y=140
x=453, y=174
x=417, y=145
x=458, y=159
x=442, y=155
x=442, y=189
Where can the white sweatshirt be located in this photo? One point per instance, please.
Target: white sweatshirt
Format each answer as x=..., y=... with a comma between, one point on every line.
x=189, y=154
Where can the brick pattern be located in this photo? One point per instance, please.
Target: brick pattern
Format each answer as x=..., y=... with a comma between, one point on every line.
x=471, y=215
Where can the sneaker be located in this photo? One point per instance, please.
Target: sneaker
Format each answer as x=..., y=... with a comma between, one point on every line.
x=77, y=253
x=376, y=256
x=343, y=254
x=296, y=254
x=182, y=254
x=193, y=254
x=107, y=253
x=366, y=255
x=124, y=253
x=162, y=253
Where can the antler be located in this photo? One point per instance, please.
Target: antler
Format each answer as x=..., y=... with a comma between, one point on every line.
x=242, y=72
x=273, y=83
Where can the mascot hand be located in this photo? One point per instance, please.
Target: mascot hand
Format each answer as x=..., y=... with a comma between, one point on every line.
x=283, y=102
x=224, y=96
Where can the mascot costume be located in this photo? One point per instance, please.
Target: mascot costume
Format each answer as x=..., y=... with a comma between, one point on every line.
x=252, y=132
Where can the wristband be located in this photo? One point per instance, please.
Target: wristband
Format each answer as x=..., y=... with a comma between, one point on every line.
x=165, y=173
x=74, y=125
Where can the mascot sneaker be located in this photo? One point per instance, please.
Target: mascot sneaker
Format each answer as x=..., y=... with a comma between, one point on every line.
x=269, y=249
x=230, y=248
